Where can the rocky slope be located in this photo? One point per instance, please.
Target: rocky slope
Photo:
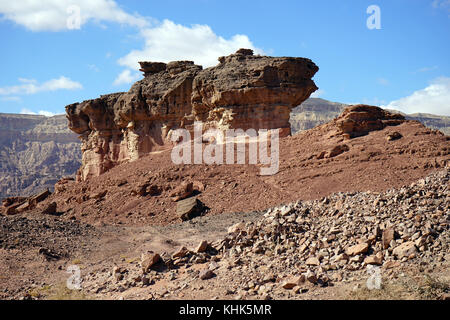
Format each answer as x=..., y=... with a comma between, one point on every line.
x=316, y=111
x=369, y=188
x=292, y=251
x=244, y=91
x=35, y=152
x=358, y=245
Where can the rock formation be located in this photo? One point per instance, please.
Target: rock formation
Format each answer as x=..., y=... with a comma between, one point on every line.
x=316, y=111
x=360, y=119
x=244, y=91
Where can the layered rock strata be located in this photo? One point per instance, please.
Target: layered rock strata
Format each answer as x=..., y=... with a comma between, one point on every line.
x=243, y=91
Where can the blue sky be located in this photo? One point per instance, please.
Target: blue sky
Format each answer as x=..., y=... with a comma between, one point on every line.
x=49, y=60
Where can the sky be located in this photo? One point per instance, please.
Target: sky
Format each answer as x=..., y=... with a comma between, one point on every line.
x=391, y=53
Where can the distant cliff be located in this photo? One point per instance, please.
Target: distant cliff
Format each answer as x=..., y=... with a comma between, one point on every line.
x=316, y=111
x=35, y=152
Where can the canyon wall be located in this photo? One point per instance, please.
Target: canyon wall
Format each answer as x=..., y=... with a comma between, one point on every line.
x=35, y=152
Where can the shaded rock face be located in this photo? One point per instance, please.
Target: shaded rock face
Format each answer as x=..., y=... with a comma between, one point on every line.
x=359, y=120
x=35, y=151
x=244, y=91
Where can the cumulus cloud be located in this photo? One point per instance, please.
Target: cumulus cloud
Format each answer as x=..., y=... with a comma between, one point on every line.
x=162, y=41
x=434, y=99
x=170, y=41
x=31, y=86
x=126, y=77
x=51, y=15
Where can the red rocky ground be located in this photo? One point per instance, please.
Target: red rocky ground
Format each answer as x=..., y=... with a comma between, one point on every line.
x=309, y=169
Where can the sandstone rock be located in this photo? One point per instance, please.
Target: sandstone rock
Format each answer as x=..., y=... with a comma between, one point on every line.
x=49, y=254
x=23, y=207
x=244, y=91
x=316, y=111
x=341, y=257
x=405, y=249
x=180, y=253
x=292, y=282
x=393, y=136
x=374, y=259
x=148, y=260
x=387, y=237
x=236, y=227
x=311, y=277
x=313, y=261
x=206, y=274
x=146, y=281
x=337, y=150
x=202, y=246
x=99, y=195
x=50, y=208
x=359, y=120
x=34, y=200
x=189, y=208
x=357, y=249
x=184, y=190
x=391, y=264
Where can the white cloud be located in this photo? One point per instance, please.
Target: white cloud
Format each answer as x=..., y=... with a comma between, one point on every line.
x=56, y=15
x=126, y=77
x=40, y=112
x=169, y=42
x=318, y=93
x=164, y=42
x=434, y=99
x=31, y=86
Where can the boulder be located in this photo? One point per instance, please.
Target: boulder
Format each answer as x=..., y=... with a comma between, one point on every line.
x=189, y=208
x=148, y=260
x=206, y=274
x=293, y=281
x=202, y=246
x=357, y=249
x=50, y=208
x=387, y=237
x=182, y=191
x=405, y=249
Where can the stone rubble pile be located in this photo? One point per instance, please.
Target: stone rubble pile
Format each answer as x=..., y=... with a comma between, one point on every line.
x=311, y=243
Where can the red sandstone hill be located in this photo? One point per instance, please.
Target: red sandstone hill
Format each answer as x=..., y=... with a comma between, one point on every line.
x=364, y=149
